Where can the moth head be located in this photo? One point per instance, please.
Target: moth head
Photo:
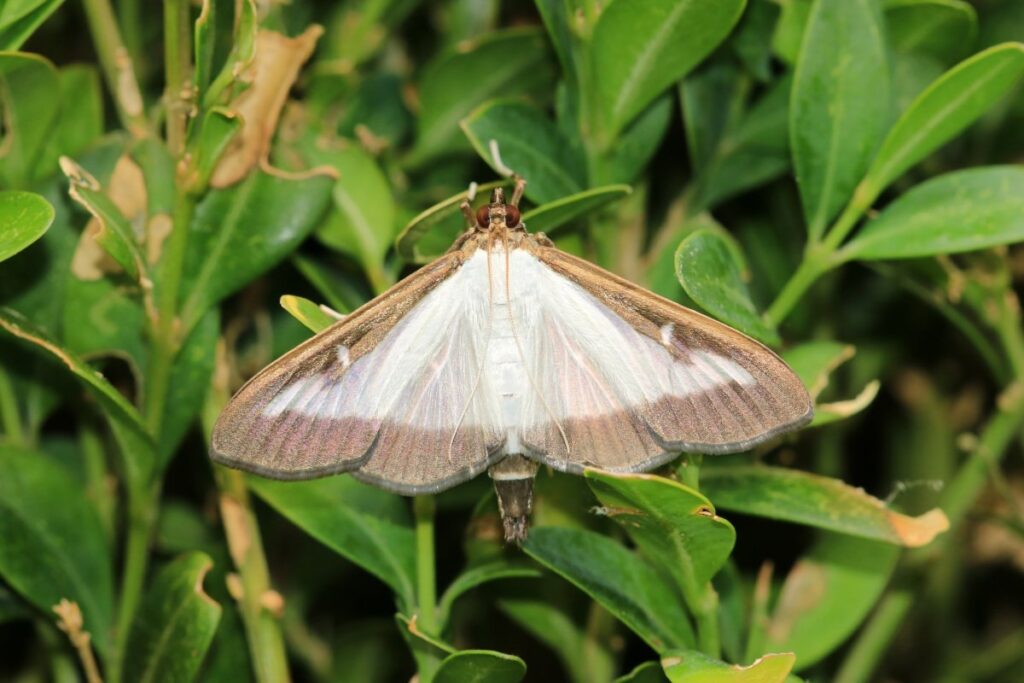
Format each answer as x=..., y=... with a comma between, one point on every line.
x=497, y=212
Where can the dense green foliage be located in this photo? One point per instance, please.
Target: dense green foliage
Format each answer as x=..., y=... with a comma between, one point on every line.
x=840, y=179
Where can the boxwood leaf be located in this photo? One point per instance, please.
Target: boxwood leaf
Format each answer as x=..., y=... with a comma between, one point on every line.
x=29, y=83
x=673, y=525
x=529, y=144
x=621, y=581
x=502, y=63
x=648, y=672
x=813, y=362
x=960, y=211
x=814, y=500
x=839, y=107
x=695, y=667
x=638, y=142
x=371, y=528
x=641, y=48
x=477, y=576
x=941, y=28
x=555, y=214
x=827, y=594
x=954, y=101
x=308, y=313
x=707, y=267
x=25, y=216
x=220, y=126
x=240, y=232
x=54, y=546
x=19, y=20
x=480, y=666
x=174, y=626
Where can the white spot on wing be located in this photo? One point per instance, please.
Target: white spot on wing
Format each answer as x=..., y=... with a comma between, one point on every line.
x=666, y=333
x=344, y=357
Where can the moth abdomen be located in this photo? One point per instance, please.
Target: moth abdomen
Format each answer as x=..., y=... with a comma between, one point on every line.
x=513, y=484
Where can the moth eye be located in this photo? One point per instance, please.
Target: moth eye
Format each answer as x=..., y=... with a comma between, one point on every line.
x=511, y=216
x=483, y=216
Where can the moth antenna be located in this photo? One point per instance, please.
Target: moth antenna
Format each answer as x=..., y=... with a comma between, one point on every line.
x=499, y=165
x=517, y=193
x=471, y=192
x=467, y=213
x=519, y=348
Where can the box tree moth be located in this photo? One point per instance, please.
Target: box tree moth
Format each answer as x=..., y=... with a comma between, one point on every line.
x=504, y=354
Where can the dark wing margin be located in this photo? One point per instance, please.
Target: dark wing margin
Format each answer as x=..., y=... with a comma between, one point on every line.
x=251, y=434
x=733, y=392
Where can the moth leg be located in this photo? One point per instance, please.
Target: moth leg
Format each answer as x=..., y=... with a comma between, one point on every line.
x=517, y=192
x=467, y=213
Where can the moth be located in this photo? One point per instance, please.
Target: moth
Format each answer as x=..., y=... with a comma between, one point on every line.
x=502, y=355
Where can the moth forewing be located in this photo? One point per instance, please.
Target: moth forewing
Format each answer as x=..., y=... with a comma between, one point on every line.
x=503, y=354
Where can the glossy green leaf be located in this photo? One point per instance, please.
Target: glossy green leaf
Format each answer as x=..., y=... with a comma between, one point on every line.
x=20, y=18
x=641, y=48
x=220, y=126
x=243, y=49
x=814, y=361
x=673, y=525
x=190, y=380
x=752, y=39
x=174, y=626
x=840, y=105
x=28, y=84
x=377, y=108
x=814, y=500
x=426, y=221
x=241, y=232
x=308, y=313
x=711, y=98
x=113, y=231
x=625, y=584
x=79, y=121
x=25, y=216
x=53, y=543
x=553, y=215
x=696, y=667
x=960, y=211
x=529, y=144
x=827, y=594
x=480, y=666
x=557, y=18
x=502, y=63
x=342, y=291
x=707, y=267
x=942, y=28
x=477, y=576
x=639, y=142
x=648, y=672
x=371, y=528
x=789, y=29
x=949, y=105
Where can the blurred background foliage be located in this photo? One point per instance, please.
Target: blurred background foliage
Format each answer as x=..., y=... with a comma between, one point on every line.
x=840, y=179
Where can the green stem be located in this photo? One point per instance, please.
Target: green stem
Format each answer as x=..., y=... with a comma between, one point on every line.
x=116, y=64
x=262, y=626
x=814, y=265
x=708, y=638
x=142, y=507
x=874, y=639
x=97, y=486
x=177, y=61
x=426, y=581
x=10, y=416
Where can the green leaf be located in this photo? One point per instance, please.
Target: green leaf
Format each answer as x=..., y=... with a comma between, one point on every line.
x=529, y=144
x=639, y=142
x=641, y=48
x=673, y=525
x=814, y=500
x=840, y=105
x=502, y=63
x=827, y=595
x=707, y=267
x=425, y=222
x=25, y=216
x=949, y=105
x=477, y=576
x=190, y=380
x=648, y=672
x=239, y=233
x=53, y=542
x=308, y=313
x=113, y=232
x=371, y=528
x=789, y=29
x=814, y=362
x=243, y=49
x=710, y=98
x=619, y=580
x=220, y=126
x=79, y=121
x=960, y=211
x=942, y=28
x=696, y=667
x=174, y=626
x=553, y=215
x=28, y=84
x=480, y=666
x=19, y=19
x=557, y=15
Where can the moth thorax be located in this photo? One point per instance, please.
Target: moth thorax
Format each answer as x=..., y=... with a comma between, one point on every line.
x=513, y=483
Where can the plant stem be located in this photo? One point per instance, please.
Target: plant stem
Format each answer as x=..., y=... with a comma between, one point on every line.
x=262, y=625
x=116, y=64
x=142, y=506
x=426, y=581
x=14, y=431
x=177, y=61
x=813, y=266
x=708, y=638
x=874, y=639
